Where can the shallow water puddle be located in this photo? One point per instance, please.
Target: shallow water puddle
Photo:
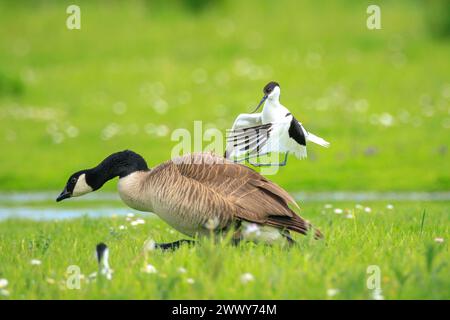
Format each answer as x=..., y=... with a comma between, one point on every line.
x=60, y=214
x=24, y=197
x=372, y=196
x=19, y=205
x=27, y=197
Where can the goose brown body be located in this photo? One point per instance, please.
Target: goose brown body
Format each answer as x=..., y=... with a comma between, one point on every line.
x=192, y=191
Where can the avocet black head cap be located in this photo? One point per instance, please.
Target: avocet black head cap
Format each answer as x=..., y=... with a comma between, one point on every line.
x=270, y=86
x=101, y=250
x=271, y=91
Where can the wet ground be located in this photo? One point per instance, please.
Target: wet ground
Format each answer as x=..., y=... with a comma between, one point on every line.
x=42, y=205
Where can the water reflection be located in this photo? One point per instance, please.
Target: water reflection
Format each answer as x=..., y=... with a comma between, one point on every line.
x=60, y=214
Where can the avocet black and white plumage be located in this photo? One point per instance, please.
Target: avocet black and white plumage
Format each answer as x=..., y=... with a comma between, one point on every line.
x=275, y=129
x=102, y=255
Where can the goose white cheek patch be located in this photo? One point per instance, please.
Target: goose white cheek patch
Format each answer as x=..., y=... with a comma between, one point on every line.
x=81, y=187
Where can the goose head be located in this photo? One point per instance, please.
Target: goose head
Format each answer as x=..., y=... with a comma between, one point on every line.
x=76, y=186
x=271, y=92
x=118, y=164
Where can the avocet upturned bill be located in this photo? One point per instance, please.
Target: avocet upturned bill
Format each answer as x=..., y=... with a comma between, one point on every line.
x=275, y=129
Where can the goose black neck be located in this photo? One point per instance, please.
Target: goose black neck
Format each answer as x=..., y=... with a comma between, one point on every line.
x=119, y=164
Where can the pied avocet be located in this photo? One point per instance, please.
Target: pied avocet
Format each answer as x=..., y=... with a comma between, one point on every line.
x=275, y=129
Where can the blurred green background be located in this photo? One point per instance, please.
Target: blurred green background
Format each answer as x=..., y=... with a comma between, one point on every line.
x=137, y=70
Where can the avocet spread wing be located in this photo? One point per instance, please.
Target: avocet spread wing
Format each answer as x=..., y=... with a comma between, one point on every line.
x=248, y=141
x=257, y=140
x=245, y=120
x=249, y=137
x=242, y=122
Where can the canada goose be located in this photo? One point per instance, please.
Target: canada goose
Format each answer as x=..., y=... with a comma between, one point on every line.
x=194, y=193
x=275, y=129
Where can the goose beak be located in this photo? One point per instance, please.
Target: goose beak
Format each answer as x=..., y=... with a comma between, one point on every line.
x=260, y=103
x=64, y=195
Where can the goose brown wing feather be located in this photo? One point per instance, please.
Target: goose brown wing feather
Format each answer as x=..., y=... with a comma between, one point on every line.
x=253, y=197
x=231, y=179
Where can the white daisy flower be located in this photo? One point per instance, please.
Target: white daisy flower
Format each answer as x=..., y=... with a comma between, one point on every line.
x=190, y=280
x=332, y=292
x=182, y=270
x=367, y=209
x=149, y=245
x=4, y=292
x=349, y=216
x=390, y=207
x=338, y=211
x=150, y=269
x=36, y=262
x=140, y=221
x=122, y=227
x=130, y=215
x=247, y=277
x=439, y=240
x=328, y=206
x=3, y=283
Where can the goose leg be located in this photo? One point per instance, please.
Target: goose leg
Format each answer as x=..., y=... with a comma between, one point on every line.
x=236, y=241
x=173, y=245
x=288, y=238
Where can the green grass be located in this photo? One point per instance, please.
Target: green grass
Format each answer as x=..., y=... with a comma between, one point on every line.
x=137, y=70
x=336, y=76
x=413, y=265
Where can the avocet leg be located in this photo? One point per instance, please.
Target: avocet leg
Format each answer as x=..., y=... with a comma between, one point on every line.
x=282, y=164
x=249, y=157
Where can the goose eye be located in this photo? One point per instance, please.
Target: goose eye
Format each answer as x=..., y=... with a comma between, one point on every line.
x=73, y=180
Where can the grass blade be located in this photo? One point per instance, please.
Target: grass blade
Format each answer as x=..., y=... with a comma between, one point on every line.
x=423, y=220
